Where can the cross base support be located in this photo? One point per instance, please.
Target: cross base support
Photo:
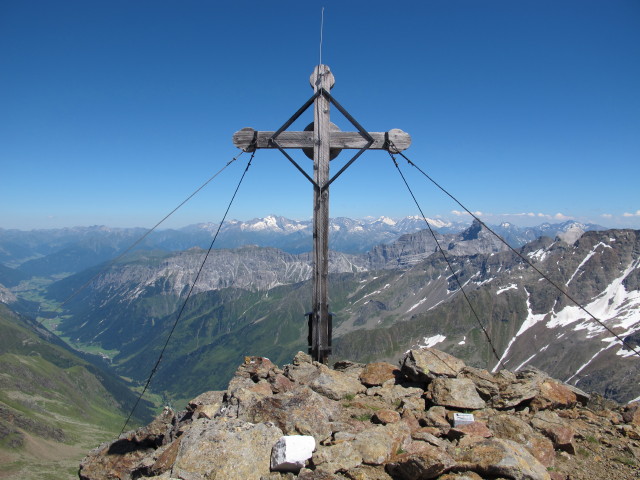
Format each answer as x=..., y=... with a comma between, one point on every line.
x=318, y=352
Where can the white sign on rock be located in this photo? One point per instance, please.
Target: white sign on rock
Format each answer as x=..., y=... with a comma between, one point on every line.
x=290, y=452
x=460, y=419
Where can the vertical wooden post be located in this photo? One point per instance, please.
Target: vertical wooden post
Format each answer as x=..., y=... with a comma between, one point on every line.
x=320, y=337
x=317, y=145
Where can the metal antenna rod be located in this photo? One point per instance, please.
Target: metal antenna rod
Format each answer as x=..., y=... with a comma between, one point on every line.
x=321, y=29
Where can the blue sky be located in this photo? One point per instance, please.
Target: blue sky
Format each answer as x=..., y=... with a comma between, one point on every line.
x=114, y=111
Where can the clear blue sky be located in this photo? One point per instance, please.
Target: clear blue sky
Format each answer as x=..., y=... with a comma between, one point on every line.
x=112, y=112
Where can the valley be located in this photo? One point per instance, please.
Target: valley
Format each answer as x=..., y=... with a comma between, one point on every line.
x=251, y=300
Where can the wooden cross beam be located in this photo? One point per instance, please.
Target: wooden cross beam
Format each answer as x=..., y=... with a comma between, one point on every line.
x=322, y=141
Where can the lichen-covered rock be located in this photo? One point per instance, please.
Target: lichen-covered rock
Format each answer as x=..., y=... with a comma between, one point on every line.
x=513, y=428
x=423, y=365
x=456, y=393
x=556, y=429
x=379, y=444
x=375, y=374
x=553, y=394
x=320, y=378
x=501, y=458
x=385, y=416
x=484, y=381
x=516, y=389
x=340, y=457
x=420, y=461
x=298, y=412
x=225, y=450
x=478, y=429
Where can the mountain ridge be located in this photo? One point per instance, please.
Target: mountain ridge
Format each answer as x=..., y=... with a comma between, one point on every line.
x=70, y=250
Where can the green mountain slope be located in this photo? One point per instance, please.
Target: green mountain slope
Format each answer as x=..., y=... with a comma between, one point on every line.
x=54, y=405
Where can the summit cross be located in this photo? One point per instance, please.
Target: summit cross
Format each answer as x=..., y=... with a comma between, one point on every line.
x=321, y=141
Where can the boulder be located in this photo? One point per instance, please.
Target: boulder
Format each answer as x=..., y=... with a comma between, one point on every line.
x=455, y=393
x=517, y=389
x=298, y=412
x=420, y=461
x=500, y=458
x=478, y=429
x=377, y=445
x=556, y=429
x=631, y=413
x=229, y=449
x=334, y=385
x=340, y=457
x=375, y=374
x=436, y=417
x=485, y=383
x=423, y=365
x=385, y=416
x=553, y=395
x=392, y=393
x=320, y=378
x=513, y=428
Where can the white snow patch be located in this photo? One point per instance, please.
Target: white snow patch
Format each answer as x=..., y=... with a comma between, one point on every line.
x=434, y=306
x=530, y=321
x=417, y=304
x=387, y=221
x=463, y=341
x=432, y=341
x=513, y=286
x=615, y=307
x=586, y=259
x=369, y=294
x=525, y=362
x=586, y=364
x=538, y=255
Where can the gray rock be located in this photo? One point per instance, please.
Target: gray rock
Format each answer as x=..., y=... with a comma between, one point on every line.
x=226, y=449
x=503, y=458
x=513, y=428
x=378, y=444
x=426, y=364
x=455, y=393
x=341, y=457
x=301, y=411
x=420, y=461
x=517, y=389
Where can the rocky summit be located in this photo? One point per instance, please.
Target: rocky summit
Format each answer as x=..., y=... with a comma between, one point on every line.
x=430, y=417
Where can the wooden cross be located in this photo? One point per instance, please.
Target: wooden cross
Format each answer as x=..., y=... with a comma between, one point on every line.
x=321, y=141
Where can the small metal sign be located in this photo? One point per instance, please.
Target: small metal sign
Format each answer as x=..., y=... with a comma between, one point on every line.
x=462, y=419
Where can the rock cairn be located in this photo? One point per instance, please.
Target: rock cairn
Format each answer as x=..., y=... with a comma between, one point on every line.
x=381, y=422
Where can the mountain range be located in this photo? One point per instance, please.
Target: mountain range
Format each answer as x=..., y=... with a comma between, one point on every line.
x=71, y=250
x=396, y=296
